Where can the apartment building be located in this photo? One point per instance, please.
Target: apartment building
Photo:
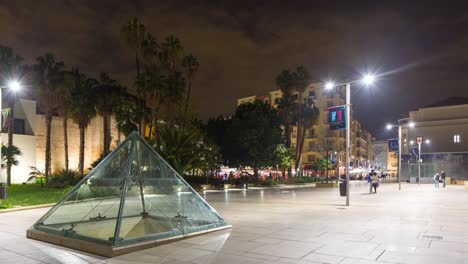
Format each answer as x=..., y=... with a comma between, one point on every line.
x=320, y=141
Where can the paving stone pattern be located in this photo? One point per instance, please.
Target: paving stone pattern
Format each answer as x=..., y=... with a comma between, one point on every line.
x=419, y=224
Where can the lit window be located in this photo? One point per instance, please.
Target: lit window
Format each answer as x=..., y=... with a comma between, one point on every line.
x=456, y=138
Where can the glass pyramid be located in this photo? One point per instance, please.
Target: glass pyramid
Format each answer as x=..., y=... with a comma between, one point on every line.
x=132, y=196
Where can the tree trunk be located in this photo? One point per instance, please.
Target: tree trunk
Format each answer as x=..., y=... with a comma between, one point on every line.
x=48, y=120
x=299, y=124
x=300, y=146
x=10, y=141
x=107, y=135
x=82, y=146
x=65, y=141
x=154, y=119
x=188, y=95
x=326, y=158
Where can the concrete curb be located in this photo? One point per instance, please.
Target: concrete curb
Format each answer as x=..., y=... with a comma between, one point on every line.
x=17, y=209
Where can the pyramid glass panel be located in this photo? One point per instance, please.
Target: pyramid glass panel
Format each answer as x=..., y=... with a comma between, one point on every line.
x=132, y=196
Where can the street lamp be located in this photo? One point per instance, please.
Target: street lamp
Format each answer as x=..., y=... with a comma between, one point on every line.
x=368, y=79
x=14, y=85
x=390, y=126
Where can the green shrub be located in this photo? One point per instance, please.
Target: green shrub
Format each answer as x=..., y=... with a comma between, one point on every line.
x=64, y=178
x=267, y=182
x=4, y=204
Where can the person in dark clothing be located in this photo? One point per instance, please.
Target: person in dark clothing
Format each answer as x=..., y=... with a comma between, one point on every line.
x=443, y=175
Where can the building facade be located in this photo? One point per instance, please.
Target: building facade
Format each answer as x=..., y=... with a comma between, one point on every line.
x=320, y=141
x=444, y=129
x=30, y=137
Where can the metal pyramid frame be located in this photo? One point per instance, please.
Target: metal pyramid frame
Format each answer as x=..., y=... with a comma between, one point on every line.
x=133, y=199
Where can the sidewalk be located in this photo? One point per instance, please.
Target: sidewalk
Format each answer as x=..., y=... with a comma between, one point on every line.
x=420, y=224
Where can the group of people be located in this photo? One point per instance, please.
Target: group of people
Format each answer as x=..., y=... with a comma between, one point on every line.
x=373, y=181
x=440, y=178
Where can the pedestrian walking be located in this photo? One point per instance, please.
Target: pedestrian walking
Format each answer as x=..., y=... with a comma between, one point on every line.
x=369, y=180
x=436, y=180
x=443, y=175
x=374, y=182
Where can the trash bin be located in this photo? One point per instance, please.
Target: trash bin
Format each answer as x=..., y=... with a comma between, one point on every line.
x=342, y=187
x=3, y=192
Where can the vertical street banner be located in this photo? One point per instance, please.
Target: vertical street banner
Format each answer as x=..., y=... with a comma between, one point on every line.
x=393, y=145
x=5, y=113
x=337, y=117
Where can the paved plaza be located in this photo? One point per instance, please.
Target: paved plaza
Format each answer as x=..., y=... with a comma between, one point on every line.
x=419, y=224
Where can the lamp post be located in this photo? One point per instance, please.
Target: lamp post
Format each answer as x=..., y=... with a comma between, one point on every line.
x=390, y=126
x=419, y=140
x=367, y=80
x=14, y=86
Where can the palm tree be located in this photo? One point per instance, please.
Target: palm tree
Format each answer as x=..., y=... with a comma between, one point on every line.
x=301, y=80
x=83, y=109
x=135, y=35
x=134, y=32
x=9, y=154
x=174, y=87
x=151, y=83
x=285, y=82
x=108, y=95
x=10, y=69
x=190, y=65
x=126, y=113
x=63, y=110
x=49, y=74
x=171, y=50
x=310, y=116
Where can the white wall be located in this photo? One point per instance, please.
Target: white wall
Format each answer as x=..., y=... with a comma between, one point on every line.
x=27, y=145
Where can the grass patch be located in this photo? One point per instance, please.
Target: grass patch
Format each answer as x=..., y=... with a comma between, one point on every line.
x=31, y=194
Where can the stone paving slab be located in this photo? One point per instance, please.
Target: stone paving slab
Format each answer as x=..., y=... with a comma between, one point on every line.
x=419, y=224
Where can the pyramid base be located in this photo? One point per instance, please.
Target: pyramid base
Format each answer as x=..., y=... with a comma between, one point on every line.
x=109, y=250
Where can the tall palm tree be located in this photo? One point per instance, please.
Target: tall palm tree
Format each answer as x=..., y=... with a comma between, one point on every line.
x=126, y=113
x=151, y=83
x=174, y=89
x=190, y=65
x=83, y=109
x=171, y=50
x=10, y=69
x=301, y=80
x=310, y=116
x=285, y=82
x=63, y=111
x=108, y=95
x=135, y=34
x=49, y=74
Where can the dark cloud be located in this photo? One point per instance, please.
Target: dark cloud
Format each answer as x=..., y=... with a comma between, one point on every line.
x=243, y=45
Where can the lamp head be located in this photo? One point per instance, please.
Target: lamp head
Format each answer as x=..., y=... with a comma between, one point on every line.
x=368, y=79
x=388, y=126
x=14, y=85
x=329, y=85
x=411, y=124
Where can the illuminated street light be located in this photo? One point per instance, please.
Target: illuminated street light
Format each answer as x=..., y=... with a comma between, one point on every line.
x=389, y=126
x=368, y=79
x=427, y=141
x=411, y=142
x=329, y=85
x=411, y=124
x=14, y=85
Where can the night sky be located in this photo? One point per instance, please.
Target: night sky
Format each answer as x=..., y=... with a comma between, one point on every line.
x=420, y=47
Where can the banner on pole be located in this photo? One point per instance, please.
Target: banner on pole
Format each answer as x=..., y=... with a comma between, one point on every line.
x=393, y=145
x=337, y=117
